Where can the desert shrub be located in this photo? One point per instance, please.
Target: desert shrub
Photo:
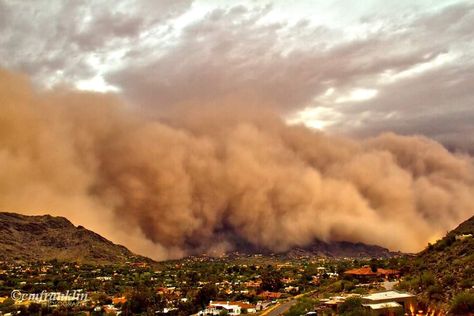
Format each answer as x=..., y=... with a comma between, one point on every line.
x=348, y=286
x=410, y=284
x=462, y=304
x=7, y=306
x=466, y=283
x=445, y=242
x=352, y=307
x=435, y=292
x=303, y=306
x=403, y=286
x=360, y=290
x=449, y=280
x=427, y=279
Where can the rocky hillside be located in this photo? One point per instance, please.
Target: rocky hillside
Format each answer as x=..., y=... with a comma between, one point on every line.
x=341, y=249
x=336, y=249
x=33, y=238
x=443, y=269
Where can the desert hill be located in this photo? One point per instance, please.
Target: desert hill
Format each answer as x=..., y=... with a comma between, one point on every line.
x=444, y=269
x=42, y=238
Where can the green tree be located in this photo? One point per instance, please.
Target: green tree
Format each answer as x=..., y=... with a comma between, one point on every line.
x=427, y=279
x=34, y=308
x=352, y=306
x=205, y=295
x=303, y=306
x=374, y=264
x=7, y=305
x=142, y=300
x=435, y=292
x=271, y=280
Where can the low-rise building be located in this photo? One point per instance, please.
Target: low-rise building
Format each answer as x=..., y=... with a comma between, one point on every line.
x=384, y=309
x=378, y=303
x=366, y=273
x=232, y=308
x=270, y=295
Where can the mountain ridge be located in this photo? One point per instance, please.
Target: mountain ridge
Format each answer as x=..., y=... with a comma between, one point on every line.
x=319, y=248
x=46, y=237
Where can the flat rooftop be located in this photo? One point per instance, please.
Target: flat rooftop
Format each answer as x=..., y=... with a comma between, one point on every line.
x=388, y=295
x=383, y=305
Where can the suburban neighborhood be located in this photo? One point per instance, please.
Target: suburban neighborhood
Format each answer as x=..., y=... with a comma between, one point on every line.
x=209, y=286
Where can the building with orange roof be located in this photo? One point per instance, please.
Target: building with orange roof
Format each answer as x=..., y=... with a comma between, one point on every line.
x=366, y=273
x=270, y=295
x=117, y=300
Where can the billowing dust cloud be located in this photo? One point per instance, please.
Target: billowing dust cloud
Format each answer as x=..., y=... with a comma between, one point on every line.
x=199, y=179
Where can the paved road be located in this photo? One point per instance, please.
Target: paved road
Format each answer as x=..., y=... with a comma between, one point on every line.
x=282, y=308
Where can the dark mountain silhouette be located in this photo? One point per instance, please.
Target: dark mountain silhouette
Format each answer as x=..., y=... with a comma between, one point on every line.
x=42, y=238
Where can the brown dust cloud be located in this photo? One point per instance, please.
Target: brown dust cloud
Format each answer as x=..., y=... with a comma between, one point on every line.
x=198, y=178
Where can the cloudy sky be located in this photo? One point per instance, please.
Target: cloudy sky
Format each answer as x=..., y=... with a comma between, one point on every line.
x=348, y=67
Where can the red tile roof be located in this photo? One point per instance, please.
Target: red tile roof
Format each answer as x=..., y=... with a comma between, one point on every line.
x=267, y=294
x=117, y=300
x=368, y=271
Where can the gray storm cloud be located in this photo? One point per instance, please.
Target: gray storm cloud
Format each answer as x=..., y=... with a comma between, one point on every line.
x=199, y=178
x=159, y=53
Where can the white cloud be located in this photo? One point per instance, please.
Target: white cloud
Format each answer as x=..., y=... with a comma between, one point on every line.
x=96, y=84
x=440, y=60
x=317, y=118
x=357, y=95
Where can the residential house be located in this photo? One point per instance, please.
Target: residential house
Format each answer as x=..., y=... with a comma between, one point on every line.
x=389, y=301
x=270, y=295
x=232, y=308
x=366, y=273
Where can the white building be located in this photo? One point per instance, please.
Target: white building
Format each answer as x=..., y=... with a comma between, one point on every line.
x=463, y=236
x=390, y=300
x=232, y=308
